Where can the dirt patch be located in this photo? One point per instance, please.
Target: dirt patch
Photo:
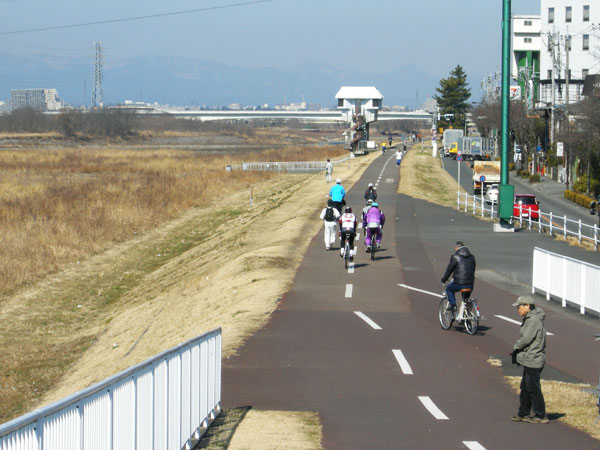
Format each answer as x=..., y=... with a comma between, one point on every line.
x=571, y=404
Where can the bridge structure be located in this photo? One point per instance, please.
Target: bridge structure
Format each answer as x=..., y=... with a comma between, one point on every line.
x=303, y=116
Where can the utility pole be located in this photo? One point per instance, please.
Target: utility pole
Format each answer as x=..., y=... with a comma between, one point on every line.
x=551, y=38
x=98, y=94
x=505, y=204
x=567, y=150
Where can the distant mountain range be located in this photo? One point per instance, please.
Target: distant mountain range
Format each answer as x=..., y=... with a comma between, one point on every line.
x=191, y=81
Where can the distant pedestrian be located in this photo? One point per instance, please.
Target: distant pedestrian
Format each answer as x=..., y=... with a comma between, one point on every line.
x=398, y=157
x=328, y=171
x=329, y=216
x=404, y=147
x=530, y=352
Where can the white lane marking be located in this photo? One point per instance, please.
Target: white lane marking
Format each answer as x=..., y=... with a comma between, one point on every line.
x=473, y=445
x=406, y=370
x=348, y=291
x=432, y=408
x=351, y=267
x=516, y=322
x=369, y=321
x=360, y=225
x=420, y=290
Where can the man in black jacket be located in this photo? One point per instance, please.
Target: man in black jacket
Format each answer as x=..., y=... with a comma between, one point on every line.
x=370, y=193
x=462, y=268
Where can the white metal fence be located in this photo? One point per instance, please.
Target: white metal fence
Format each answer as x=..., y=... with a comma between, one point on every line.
x=159, y=404
x=290, y=166
x=566, y=278
x=548, y=222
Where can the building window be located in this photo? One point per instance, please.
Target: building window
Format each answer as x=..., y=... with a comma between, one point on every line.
x=340, y=102
x=584, y=73
x=528, y=23
x=550, y=15
x=569, y=42
x=567, y=14
x=586, y=13
x=375, y=103
x=549, y=74
x=586, y=42
x=528, y=40
x=570, y=77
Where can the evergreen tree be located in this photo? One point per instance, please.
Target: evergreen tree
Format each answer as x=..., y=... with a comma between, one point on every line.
x=453, y=98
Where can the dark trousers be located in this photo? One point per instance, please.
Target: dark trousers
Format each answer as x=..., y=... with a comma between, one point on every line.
x=531, y=397
x=347, y=235
x=452, y=288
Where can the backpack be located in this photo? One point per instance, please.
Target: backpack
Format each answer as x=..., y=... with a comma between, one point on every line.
x=329, y=216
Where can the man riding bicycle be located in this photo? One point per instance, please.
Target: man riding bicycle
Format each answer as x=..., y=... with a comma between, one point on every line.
x=337, y=194
x=373, y=221
x=462, y=268
x=348, y=225
x=370, y=193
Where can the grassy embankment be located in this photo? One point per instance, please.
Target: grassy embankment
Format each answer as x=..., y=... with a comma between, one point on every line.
x=82, y=229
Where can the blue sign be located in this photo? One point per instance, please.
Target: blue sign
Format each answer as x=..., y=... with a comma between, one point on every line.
x=459, y=158
x=482, y=178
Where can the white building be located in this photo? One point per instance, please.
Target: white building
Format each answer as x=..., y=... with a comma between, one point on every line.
x=38, y=99
x=526, y=42
x=570, y=41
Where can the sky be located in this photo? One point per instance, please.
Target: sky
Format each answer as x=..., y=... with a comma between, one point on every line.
x=375, y=36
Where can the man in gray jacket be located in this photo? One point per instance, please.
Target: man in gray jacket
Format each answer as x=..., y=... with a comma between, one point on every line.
x=530, y=352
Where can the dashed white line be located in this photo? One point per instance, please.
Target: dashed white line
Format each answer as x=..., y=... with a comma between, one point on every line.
x=516, y=322
x=360, y=225
x=420, y=290
x=348, y=291
x=404, y=366
x=473, y=445
x=351, y=267
x=432, y=408
x=368, y=320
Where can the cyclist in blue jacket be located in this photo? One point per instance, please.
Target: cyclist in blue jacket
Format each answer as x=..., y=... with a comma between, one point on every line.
x=337, y=194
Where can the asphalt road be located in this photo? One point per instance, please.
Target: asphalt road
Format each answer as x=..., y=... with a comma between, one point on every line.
x=370, y=357
x=549, y=193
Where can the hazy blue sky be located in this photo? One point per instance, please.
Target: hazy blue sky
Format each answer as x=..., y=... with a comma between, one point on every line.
x=375, y=35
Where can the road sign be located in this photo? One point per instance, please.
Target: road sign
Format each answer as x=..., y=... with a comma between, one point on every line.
x=482, y=178
x=459, y=157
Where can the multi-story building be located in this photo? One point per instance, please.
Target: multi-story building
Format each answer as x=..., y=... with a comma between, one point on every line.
x=526, y=45
x=570, y=48
x=38, y=99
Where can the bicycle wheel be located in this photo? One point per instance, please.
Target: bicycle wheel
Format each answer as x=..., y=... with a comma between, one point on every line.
x=471, y=317
x=373, y=246
x=445, y=315
x=346, y=255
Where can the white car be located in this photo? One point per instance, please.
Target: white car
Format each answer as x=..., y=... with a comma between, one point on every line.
x=491, y=195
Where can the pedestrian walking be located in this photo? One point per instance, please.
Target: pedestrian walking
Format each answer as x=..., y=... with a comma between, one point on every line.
x=398, y=157
x=530, y=352
x=329, y=216
x=328, y=171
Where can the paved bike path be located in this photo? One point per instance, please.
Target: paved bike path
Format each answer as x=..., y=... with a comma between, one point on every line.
x=317, y=354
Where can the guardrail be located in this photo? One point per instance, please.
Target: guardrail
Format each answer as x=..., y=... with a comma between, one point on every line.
x=162, y=403
x=288, y=166
x=572, y=281
x=547, y=223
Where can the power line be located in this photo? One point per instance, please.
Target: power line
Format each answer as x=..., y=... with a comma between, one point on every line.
x=129, y=19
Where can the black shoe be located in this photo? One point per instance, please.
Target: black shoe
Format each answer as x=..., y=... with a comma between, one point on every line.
x=368, y=250
x=452, y=307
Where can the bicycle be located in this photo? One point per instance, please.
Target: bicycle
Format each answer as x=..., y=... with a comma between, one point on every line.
x=468, y=313
x=373, y=244
x=347, y=253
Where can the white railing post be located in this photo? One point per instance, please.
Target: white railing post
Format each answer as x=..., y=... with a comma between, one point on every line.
x=551, y=223
x=595, y=237
x=466, y=202
x=458, y=200
x=564, y=283
x=583, y=284
x=565, y=227
x=580, y=231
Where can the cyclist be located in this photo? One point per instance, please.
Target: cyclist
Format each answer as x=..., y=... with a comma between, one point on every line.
x=370, y=193
x=329, y=216
x=462, y=268
x=337, y=194
x=365, y=209
x=373, y=222
x=348, y=225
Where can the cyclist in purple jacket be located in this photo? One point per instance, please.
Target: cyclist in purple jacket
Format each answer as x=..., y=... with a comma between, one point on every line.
x=373, y=221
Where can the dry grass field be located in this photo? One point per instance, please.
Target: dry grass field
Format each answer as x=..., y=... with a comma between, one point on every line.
x=135, y=210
